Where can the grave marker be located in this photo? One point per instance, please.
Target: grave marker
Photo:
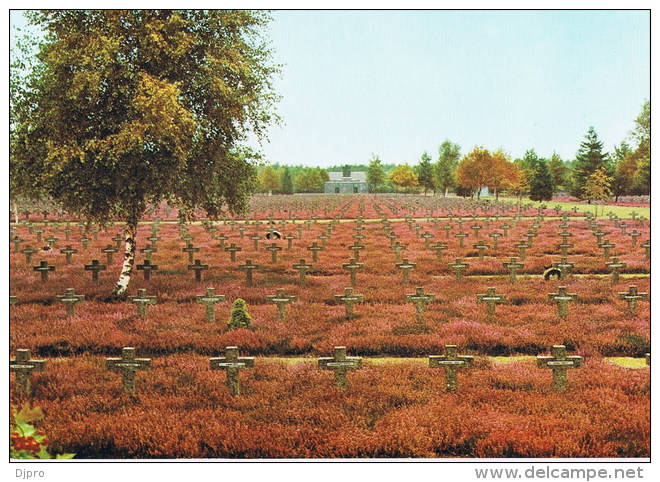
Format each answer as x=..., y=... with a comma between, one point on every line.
x=302, y=268
x=405, y=266
x=68, y=251
x=28, y=251
x=210, y=299
x=95, y=268
x=44, y=269
x=615, y=265
x=559, y=362
x=349, y=299
x=562, y=298
x=128, y=365
x=71, y=299
x=231, y=363
x=23, y=366
x=632, y=296
x=281, y=300
x=233, y=249
x=491, y=299
x=451, y=362
x=248, y=267
x=274, y=249
x=142, y=301
x=198, y=267
x=459, y=266
x=340, y=364
x=513, y=266
x=147, y=267
x=420, y=300
x=109, y=251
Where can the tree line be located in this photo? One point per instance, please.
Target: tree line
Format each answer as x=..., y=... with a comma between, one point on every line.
x=592, y=175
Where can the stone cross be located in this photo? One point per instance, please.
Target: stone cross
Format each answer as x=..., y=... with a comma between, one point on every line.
x=632, y=296
x=210, y=299
x=85, y=242
x=127, y=365
x=191, y=250
x=95, y=267
x=564, y=266
x=222, y=238
x=491, y=299
x=420, y=300
x=461, y=237
x=274, y=249
x=289, y=239
x=314, y=248
x=44, y=269
x=248, y=267
x=142, y=301
x=67, y=233
x=147, y=250
x=633, y=236
x=562, y=298
x=302, y=268
x=530, y=235
x=559, y=362
x=481, y=246
x=324, y=239
x=505, y=228
x=451, y=362
x=28, y=251
x=13, y=300
x=606, y=246
x=495, y=237
x=232, y=363
x=68, y=251
x=513, y=266
x=39, y=232
x=438, y=247
x=198, y=267
x=564, y=248
x=52, y=240
x=118, y=239
x=475, y=229
x=71, y=299
x=623, y=227
x=647, y=246
x=17, y=243
x=353, y=266
x=340, y=363
x=255, y=240
x=109, y=251
x=153, y=240
x=24, y=366
x=281, y=300
x=599, y=236
x=459, y=266
x=615, y=265
x=356, y=248
x=397, y=247
x=522, y=248
x=349, y=299
x=233, y=249
x=405, y=266
x=427, y=239
x=147, y=267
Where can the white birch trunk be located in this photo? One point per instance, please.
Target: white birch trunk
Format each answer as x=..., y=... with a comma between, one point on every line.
x=130, y=232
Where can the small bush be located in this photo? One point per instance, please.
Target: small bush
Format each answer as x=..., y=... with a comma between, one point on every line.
x=240, y=318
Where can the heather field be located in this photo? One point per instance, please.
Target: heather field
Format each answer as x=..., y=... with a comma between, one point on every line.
x=504, y=406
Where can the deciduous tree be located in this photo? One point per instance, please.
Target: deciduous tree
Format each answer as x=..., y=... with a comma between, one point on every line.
x=404, y=177
x=130, y=108
x=474, y=170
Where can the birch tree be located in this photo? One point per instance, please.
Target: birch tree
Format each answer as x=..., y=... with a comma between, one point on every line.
x=129, y=108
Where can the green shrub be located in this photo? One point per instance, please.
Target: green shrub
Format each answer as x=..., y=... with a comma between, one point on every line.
x=240, y=318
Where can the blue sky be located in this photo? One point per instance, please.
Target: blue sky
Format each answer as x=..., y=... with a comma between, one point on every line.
x=398, y=83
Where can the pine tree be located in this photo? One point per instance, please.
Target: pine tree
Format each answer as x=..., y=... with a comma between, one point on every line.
x=445, y=169
x=375, y=174
x=589, y=158
x=541, y=186
x=425, y=176
x=287, y=182
x=240, y=318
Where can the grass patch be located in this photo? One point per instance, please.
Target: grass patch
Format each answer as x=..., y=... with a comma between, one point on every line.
x=627, y=362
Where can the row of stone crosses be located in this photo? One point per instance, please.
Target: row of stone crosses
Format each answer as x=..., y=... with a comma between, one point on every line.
x=349, y=298
x=559, y=362
x=563, y=267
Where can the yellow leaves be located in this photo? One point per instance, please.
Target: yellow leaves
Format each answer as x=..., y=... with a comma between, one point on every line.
x=28, y=414
x=404, y=176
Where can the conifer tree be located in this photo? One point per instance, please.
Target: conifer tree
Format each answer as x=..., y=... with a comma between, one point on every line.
x=589, y=158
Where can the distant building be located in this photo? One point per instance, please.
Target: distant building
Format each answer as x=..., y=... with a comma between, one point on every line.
x=346, y=182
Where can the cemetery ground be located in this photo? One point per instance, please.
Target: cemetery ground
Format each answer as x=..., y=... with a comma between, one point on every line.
x=350, y=269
